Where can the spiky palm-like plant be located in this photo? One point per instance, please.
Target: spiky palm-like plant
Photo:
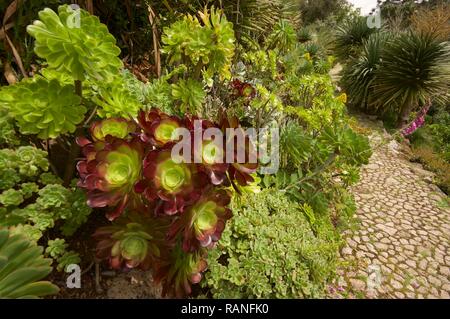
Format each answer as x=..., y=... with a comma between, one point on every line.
x=350, y=37
x=413, y=69
x=359, y=73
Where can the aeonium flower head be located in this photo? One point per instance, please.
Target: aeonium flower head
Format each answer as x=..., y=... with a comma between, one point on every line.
x=202, y=224
x=159, y=128
x=174, y=185
x=109, y=173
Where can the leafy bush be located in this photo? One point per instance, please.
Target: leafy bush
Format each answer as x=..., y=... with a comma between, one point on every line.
x=270, y=251
x=22, y=266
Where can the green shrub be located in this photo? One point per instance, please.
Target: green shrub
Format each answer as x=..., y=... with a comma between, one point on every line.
x=270, y=251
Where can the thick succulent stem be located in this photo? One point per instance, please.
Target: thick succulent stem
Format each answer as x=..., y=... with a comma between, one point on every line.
x=74, y=148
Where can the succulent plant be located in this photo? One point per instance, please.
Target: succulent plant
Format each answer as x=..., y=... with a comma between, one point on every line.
x=205, y=41
x=242, y=89
x=240, y=170
x=158, y=127
x=114, y=127
x=53, y=196
x=11, y=197
x=75, y=42
x=174, y=185
x=42, y=107
x=180, y=270
x=115, y=100
x=174, y=209
x=28, y=189
x=202, y=224
x=109, y=173
x=134, y=241
x=190, y=93
x=21, y=267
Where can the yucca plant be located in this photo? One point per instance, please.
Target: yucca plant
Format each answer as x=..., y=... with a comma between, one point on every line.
x=350, y=37
x=22, y=266
x=359, y=73
x=413, y=69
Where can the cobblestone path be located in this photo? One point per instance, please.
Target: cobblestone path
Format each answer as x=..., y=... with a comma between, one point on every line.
x=402, y=247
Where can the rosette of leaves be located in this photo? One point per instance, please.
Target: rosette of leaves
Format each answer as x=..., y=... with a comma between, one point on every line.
x=173, y=185
x=244, y=158
x=115, y=100
x=179, y=270
x=42, y=107
x=159, y=128
x=283, y=37
x=26, y=162
x=75, y=42
x=191, y=95
x=57, y=249
x=207, y=41
x=11, y=197
x=242, y=89
x=202, y=224
x=133, y=241
x=114, y=127
x=109, y=172
x=210, y=154
x=8, y=134
x=22, y=267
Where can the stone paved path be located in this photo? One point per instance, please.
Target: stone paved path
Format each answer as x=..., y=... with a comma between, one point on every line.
x=402, y=247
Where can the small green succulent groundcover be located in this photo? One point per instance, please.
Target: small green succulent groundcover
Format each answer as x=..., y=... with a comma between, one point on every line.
x=33, y=199
x=269, y=251
x=22, y=266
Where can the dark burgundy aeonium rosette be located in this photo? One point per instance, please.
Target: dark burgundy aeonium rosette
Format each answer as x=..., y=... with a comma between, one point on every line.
x=159, y=128
x=244, y=154
x=202, y=224
x=173, y=185
x=242, y=89
x=112, y=165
